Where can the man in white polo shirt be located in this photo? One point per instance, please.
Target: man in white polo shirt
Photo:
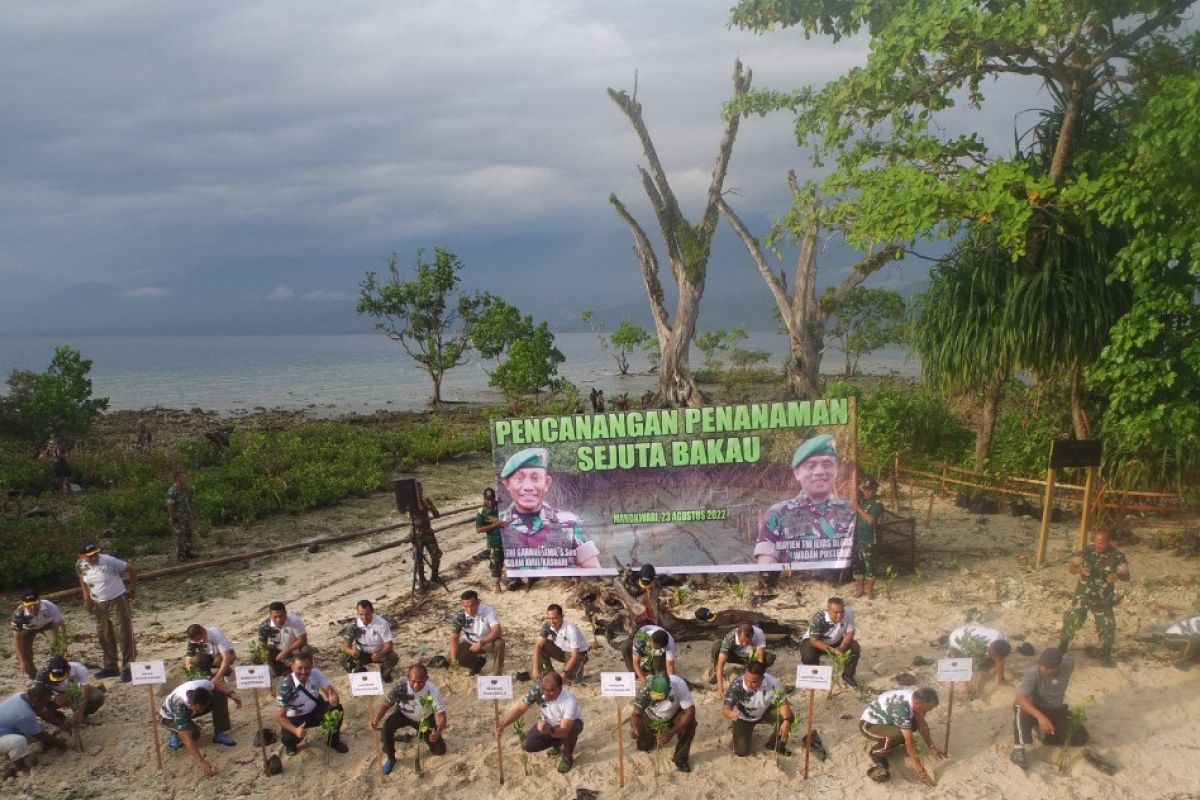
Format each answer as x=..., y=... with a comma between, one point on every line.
x=33, y=616
x=208, y=648
x=650, y=651
x=106, y=597
x=743, y=644
x=416, y=700
x=891, y=719
x=832, y=631
x=978, y=643
x=755, y=697
x=306, y=699
x=668, y=699
x=58, y=674
x=368, y=640
x=282, y=634
x=478, y=625
x=181, y=708
x=559, y=640
x=560, y=724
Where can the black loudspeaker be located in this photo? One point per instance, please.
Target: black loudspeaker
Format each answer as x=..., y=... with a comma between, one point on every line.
x=406, y=493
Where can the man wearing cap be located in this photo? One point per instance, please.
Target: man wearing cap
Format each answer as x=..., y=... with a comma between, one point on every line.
x=209, y=648
x=1099, y=567
x=19, y=723
x=487, y=522
x=790, y=530
x=188, y=701
x=832, y=630
x=58, y=674
x=755, y=697
x=650, y=651
x=368, y=640
x=1041, y=702
x=425, y=543
x=102, y=582
x=478, y=625
x=537, y=535
x=667, y=700
x=560, y=724
x=742, y=645
x=416, y=700
x=867, y=511
x=33, y=616
x=891, y=719
x=182, y=515
x=559, y=640
x=281, y=634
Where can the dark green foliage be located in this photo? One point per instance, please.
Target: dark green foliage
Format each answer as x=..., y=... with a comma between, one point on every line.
x=56, y=402
x=24, y=475
x=911, y=423
x=49, y=562
x=1035, y=418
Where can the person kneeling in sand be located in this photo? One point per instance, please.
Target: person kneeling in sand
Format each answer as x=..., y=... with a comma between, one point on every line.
x=979, y=643
x=891, y=719
x=742, y=645
x=479, y=625
x=755, y=697
x=560, y=724
x=58, y=674
x=415, y=699
x=665, y=702
x=1041, y=703
x=208, y=648
x=19, y=723
x=832, y=631
x=307, y=698
x=187, y=702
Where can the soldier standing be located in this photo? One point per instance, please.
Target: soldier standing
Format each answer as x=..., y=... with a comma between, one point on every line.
x=181, y=514
x=424, y=540
x=1099, y=567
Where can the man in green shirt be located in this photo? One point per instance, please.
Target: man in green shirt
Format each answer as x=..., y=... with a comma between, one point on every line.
x=1099, y=567
x=487, y=521
x=869, y=510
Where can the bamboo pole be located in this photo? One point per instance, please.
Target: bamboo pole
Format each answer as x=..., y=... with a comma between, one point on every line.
x=154, y=727
x=1047, y=508
x=180, y=569
x=812, y=693
x=620, y=747
x=1085, y=517
x=499, y=741
x=949, y=716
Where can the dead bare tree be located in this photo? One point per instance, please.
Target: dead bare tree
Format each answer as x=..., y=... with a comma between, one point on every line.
x=687, y=247
x=804, y=315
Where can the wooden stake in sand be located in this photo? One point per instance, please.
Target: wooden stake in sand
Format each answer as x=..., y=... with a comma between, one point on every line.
x=150, y=674
x=617, y=685
x=255, y=677
x=495, y=688
x=1047, y=508
x=370, y=686
x=814, y=678
x=952, y=671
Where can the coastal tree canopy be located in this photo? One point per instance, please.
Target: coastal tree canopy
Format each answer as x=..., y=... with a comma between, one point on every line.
x=57, y=402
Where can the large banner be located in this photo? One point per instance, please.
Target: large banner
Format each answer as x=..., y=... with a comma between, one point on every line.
x=738, y=488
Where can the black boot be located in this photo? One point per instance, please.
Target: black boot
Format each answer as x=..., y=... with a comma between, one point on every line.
x=337, y=744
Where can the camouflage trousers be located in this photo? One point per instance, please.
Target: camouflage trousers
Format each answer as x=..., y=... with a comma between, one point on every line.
x=183, y=539
x=425, y=544
x=1106, y=622
x=495, y=558
x=864, y=560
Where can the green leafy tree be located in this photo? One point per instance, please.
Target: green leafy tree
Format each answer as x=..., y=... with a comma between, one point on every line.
x=531, y=364
x=496, y=328
x=623, y=342
x=688, y=248
x=430, y=318
x=713, y=343
x=866, y=320
x=57, y=402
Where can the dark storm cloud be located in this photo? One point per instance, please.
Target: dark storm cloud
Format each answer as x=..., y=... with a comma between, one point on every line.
x=243, y=163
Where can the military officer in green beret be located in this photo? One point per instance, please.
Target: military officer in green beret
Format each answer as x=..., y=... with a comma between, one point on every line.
x=537, y=535
x=1099, y=567
x=791, y=527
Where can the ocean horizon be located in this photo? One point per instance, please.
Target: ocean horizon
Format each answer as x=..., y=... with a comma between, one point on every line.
x=334, y=374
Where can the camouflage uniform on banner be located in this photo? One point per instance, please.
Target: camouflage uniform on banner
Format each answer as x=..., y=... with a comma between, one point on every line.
x=1095, y=593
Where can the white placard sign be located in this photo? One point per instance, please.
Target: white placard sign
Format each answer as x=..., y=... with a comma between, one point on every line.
x=254, y=676
x=814, y=676
x=955, y=670
x=365, y=684
x=147, y=673
x=494, y=687
x=618, y=684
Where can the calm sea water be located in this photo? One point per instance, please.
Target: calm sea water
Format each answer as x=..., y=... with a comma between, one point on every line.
x=328, y=374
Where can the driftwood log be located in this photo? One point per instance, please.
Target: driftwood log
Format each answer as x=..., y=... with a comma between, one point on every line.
x=616, y=609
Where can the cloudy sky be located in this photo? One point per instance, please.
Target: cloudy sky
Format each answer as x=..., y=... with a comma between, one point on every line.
x=238, y=166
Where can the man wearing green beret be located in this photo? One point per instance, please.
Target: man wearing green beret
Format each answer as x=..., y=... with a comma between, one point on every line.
x=663, y=709
x=537, y=535
x=791, y=530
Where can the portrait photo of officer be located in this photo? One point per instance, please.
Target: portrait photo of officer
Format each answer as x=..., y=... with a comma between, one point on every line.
x=535, y=534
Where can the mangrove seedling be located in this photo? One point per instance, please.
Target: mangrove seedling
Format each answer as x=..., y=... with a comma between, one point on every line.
x=658, y=727
x=59, y=641
x=1075, y=722
x=427, y=710
x=258, y=653
x=888, y=579
x=519, y=730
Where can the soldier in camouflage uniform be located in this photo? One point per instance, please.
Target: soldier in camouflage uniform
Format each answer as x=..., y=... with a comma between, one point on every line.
x=529, y=524
x=424, y=540
x=487, y=522
x=814, y=514
x=1099, y=567
x=181, y=514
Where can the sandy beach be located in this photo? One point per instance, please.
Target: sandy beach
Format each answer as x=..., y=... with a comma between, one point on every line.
x=1143, y=716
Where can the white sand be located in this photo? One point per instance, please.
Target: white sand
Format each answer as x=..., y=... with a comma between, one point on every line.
x=1144, y=716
